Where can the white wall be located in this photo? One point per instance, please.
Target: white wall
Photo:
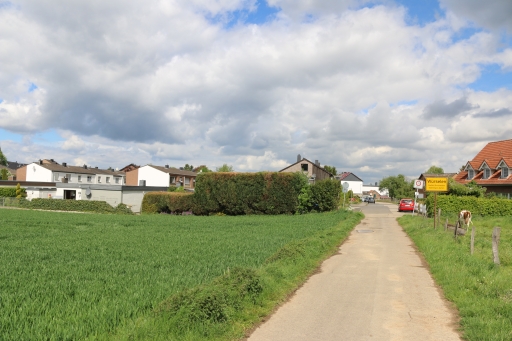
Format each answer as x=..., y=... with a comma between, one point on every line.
x=375, y=188
x=153, y=177
x=355, y=186
x=133, y=200
x=37, y=173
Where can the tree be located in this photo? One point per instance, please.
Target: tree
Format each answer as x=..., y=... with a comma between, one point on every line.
x=397, y=186
x=202, y=169
x=435, y=170
x=331, y=169
x=188, y=167
x=3, y=159
x=225, y=168
x=4, y=174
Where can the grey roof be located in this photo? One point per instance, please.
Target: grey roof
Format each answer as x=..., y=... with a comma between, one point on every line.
x=80, y=170
x=172, y=170
x=304, y=159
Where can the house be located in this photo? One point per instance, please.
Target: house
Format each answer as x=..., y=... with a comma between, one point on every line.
x=312, y=170
x=374, y=191
x=423, y=176
x=491, y=168
x=71, y=182
x=151, y=175
x=355, y=184
x=11, y=169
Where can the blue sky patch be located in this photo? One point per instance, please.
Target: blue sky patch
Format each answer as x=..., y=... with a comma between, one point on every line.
x=465, y=33
x=492, y=79
x=7, y=135
x=32, y=87
x=421, y=12
x=48, y=136
x=261, y=15
x=408, y=103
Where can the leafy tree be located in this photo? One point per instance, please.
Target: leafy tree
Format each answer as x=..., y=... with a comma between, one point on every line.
x=3, y=159
x=188, y=167
x=225, y=168
x=203, y=169
x=331, y=169
x=397, y=186
x=469, y=189
x=4, y=174
x=435, y=170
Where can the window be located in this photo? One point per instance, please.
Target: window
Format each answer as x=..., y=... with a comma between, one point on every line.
x=107, y=180
x=304, y=167
x=173, y=180
x=56, y=177
x=116, y=179
x=99, y=179
x=187, y=181
x=487, y=173
x=79, y=178
x=504, y=172
x=89, y=178
x=471, y=174
x=68, y=176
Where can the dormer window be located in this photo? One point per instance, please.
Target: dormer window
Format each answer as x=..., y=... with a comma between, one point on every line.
x=471, y=174
x=504, y=172
x=487, y=173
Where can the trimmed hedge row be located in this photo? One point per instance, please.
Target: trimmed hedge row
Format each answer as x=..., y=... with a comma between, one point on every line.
x=477, y=206
x=167, y=202
x=10, y=192
x=74, y=205
x=248, y=193
x=322, y=196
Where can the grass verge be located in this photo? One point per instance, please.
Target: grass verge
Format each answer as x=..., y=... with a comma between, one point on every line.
x=231, y=305
x=481, y=290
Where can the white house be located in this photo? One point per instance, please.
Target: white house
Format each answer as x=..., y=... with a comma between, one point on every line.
x=355, y=184
x=374, y=188
x=151, y=175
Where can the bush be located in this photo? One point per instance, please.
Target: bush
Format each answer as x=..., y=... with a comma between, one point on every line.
x=74, y=205
x=9, y=192
x=248, y=193
x=477, y=205
x=167, y=202
x=321, y=196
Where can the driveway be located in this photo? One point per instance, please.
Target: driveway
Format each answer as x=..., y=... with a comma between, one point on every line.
x=376, y=288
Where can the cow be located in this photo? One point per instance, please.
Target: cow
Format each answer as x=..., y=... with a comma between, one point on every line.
x=465, y=218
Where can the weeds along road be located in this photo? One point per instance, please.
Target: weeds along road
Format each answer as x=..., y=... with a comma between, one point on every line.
x=376, y=288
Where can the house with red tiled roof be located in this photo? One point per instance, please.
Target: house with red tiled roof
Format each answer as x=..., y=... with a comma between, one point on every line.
x=355, y=184
x=491, y=168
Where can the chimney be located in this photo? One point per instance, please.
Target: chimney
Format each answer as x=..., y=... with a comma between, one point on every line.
x=40, y=162
x=166, y=166
x=298, y=158
x=181, y=168
x=85, y=166
x=65, y=164
x=317, y=163
x=96, y=167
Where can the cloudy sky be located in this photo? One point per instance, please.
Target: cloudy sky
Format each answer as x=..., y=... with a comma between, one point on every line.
x=373, y=87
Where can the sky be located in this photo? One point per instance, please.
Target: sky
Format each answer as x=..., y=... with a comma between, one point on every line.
x=377, y=88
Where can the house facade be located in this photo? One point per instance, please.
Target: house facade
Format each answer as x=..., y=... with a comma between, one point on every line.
x=491, y=168
x=355, y=184
x=313, y=170
x=151, y=175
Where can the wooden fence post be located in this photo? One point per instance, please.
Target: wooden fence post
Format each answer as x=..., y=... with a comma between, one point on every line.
x=472, y=239
x=495, y=244
x=438, y=217
x=446, y=224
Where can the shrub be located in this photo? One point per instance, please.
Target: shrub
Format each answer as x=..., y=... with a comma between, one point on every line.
x=322, y=196
x=9, y=192
x=74, y=205
x=477, y=205
x=167, y=202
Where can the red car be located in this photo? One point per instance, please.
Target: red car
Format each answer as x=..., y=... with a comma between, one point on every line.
x=406, y=205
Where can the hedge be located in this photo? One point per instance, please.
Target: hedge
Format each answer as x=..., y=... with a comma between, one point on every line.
x=322, y=196
x=74, y=205
x=167, y=202
x=477, y=206
x=247, y=193
x=10, y=192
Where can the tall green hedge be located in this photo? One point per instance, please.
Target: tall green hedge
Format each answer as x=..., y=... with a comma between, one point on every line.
x=74, y=205
x=477, y=206
x=168, y=202
x=10, y=192
x=248, y=193
x=322, y=196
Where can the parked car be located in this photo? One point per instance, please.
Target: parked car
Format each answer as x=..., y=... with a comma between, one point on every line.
x=406, y=205
x=370, y=200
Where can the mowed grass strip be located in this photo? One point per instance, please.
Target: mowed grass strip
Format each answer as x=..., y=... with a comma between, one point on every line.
x=481, y=290
x=76, y=276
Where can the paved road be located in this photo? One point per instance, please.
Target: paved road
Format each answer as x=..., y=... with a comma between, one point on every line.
x=376, y=288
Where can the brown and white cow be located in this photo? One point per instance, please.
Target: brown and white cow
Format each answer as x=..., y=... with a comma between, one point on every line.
x=465, y=218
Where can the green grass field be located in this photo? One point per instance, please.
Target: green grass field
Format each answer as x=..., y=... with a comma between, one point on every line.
x=67, y=276
x=481, y=290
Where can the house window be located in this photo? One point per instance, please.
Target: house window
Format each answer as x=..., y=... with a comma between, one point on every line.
x=487, y=173
x=471, y=174
x=56, y=177
x=99, y=179
x=504, y=172
x=304, y=167
x=173, y=180
x=107, y=180
x=116, y=179
x=79, y=178
x=68, y=176
x=187, y=181
x=89, y=178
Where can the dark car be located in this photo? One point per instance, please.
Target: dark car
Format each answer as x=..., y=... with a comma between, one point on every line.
x=406, y=205
x=370, y=200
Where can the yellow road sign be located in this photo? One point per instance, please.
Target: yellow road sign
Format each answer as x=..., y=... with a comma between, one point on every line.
x=436, y=184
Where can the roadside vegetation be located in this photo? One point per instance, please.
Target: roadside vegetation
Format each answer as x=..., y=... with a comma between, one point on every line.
x=481, y=290
x=154, y=277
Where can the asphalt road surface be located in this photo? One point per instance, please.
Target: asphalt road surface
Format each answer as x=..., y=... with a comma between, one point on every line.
x=376, y=288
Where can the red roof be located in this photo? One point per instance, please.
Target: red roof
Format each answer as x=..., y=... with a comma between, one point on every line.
x=495, y=150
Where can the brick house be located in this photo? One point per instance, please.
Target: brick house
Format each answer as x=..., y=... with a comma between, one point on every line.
x=313, y=170
x=491, y=168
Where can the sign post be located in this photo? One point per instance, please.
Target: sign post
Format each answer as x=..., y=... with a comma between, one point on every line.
x=345, y=190
x=436, y=185
x=418, y=184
